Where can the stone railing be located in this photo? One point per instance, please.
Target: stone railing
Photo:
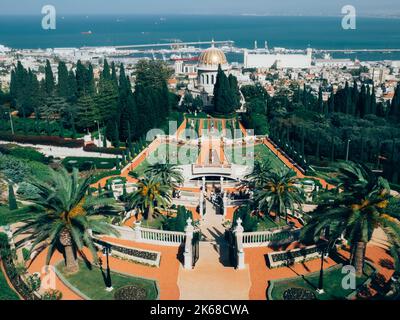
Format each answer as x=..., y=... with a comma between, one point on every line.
x=151, y=236
x=160, y=237
x=279, y=236
x=211, y=169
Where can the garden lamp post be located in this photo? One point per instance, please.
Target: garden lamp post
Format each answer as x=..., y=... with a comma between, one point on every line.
x=324, y=250
x=107, y=252
x=348, y=149
x=11, y=122
x=320, y=289
x=98, y=128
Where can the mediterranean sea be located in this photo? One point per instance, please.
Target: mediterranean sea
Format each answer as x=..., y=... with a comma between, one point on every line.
x=287, y=32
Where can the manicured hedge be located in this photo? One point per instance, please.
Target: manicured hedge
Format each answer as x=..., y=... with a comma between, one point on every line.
x=138, y=253
x=43, y=140
x=94, y=148
x=85, y=163
x=23, y=153
x=105, y=174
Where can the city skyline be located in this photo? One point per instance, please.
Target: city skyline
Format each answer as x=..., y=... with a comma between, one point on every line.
x=221, y=7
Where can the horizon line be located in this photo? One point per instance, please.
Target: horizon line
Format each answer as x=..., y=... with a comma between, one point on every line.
x=375, y=16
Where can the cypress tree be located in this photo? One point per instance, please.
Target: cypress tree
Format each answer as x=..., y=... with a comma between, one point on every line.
x=223, y=98
x=320, y=101
x=72, y=87
x=114, y=78
x=394, y=110
x=89, y=81
x=49, y=79
x=106, y=74
x=12, y=201
x=233, y=84
x=62, y=84
x=354, y=99
x=362, y=102
x=81, y=81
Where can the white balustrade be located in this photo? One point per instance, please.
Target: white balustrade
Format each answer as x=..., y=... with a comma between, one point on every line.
x=265, y=238
x=161, y=237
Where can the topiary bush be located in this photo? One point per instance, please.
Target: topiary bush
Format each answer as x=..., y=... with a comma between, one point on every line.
x=130, y=293
x=298, y=294
x=179, y=222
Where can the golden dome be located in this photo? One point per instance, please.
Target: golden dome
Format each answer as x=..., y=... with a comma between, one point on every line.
x=213, y=56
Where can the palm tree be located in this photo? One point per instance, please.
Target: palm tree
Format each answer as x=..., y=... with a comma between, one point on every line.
x=169, y=174
x=362, y=204
x=67, y=215
x=259, y=176
x=280, y=193
x=151, y=194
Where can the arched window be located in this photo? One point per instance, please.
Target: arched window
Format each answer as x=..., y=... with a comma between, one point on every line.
x=212, y=79
x=208, y=80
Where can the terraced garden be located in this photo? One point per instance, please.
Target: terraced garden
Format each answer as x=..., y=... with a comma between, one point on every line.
x=179, y=155
x=241, y=156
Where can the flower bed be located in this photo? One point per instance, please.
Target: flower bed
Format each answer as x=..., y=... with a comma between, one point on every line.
x=85, y=163
x=285, y=258
x=130, y=293
x=43, y=140
x=147, y=257
x=12, y=274
x=298, y=294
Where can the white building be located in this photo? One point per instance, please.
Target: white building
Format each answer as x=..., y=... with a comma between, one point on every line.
x=207, y=70
x=334, y=63
x=266, y=60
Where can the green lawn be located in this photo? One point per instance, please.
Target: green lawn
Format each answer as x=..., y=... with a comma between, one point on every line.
x=239, y=155
x=91, y=283
x=179, y=155
x=268, y=223
x=6, y=293
x=332, y=284
x=156, y=223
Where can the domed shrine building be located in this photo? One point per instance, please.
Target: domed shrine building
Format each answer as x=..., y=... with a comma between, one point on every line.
x=207, y=69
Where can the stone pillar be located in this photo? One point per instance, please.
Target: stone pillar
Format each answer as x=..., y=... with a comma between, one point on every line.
x=204, y=183
x=138, y=234
x=201, y=204
x=225, y=204
x=222, y=184
x=238, y=231
x=188, y=254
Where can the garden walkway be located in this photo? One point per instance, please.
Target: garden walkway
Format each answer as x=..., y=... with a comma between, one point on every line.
x=213, y=277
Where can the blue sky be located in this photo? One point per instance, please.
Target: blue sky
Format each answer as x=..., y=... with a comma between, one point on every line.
x=263, y=7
